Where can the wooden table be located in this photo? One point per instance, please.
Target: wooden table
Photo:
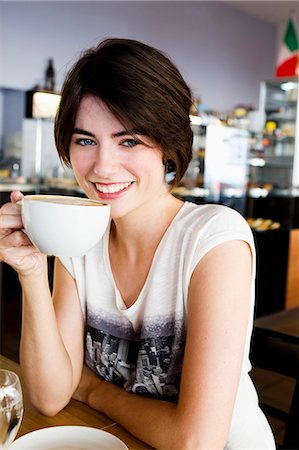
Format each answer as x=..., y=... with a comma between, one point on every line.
x=75, y=413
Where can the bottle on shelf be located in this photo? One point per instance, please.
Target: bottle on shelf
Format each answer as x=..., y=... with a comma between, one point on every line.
x=50, y=76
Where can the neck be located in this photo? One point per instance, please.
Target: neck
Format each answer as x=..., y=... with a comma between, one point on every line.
x=143, y=229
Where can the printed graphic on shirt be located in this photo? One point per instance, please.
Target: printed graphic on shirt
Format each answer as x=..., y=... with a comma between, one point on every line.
x=149, y=366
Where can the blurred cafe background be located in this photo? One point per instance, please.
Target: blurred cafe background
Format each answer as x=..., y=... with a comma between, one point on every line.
x=238, y=57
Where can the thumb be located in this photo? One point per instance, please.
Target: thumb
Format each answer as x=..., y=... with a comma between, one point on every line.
x=16, y=196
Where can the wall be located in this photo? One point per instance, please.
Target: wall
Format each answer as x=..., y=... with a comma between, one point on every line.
x=13, y=103
x=1, y=77
x=1, y=123
x=1, y=40
x=222, y=52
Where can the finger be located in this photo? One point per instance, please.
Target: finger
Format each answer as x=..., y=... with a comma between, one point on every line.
x=16, y=196
x=10, y=208
x=14, y=256
x=15, y=239
x=10, y=221
x=10, y=218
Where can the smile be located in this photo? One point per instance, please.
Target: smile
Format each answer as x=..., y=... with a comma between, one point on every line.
x=112, y=188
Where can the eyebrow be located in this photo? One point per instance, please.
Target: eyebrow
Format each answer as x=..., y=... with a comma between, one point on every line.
x=114, y=135
x=79, y=131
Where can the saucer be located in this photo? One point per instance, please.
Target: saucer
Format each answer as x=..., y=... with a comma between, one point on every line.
x=68, y=438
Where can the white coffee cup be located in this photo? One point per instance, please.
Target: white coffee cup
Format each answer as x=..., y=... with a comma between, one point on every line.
x=64, y=226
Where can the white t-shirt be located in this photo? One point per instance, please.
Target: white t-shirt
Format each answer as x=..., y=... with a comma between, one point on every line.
x=141, y=347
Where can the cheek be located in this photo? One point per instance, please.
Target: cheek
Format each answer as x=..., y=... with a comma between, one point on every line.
x=79, y=162
x=156, y=165
x=148, y=162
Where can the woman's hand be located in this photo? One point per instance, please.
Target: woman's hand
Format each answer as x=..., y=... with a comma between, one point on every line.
x=16, y=249
x=89, y=380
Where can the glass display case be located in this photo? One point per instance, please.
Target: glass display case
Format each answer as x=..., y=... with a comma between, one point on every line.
x=273, y=170
x=272, y=157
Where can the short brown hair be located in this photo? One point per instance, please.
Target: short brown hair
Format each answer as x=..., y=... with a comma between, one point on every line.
x=141, y=87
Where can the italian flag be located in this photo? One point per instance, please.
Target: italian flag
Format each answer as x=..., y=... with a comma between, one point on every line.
x=288, y=56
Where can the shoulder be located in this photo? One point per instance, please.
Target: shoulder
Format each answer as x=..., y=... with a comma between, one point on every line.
x=213, y=219
x=203, y=227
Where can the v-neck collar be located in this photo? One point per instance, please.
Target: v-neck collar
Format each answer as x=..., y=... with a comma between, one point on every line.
x=119, y=300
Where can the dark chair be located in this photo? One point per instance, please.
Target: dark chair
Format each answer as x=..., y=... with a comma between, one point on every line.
x=278, y=352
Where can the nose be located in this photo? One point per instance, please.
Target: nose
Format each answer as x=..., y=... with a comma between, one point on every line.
x=106, y=162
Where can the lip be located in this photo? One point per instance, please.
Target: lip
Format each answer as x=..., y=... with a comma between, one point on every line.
x=111, y=195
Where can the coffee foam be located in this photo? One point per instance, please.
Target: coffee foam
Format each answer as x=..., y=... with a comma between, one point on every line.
x=64, y=200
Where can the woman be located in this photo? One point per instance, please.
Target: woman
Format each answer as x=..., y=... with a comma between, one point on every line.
x=165, y=301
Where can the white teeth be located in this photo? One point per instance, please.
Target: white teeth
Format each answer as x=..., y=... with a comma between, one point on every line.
x=112, y=188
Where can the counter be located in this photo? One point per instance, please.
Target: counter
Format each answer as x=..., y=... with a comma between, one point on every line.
x=9, y=187
x=280, y=205
x=50, y=185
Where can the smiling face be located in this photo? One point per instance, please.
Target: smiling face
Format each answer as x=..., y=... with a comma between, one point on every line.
x=119, y=167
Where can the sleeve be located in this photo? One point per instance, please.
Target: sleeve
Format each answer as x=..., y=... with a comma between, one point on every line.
x=222, y=224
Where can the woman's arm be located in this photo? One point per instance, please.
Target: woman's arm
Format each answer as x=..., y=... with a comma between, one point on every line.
x=51, y=350
x=218, y=306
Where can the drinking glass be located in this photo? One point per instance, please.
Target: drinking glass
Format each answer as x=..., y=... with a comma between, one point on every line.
x=11, y=407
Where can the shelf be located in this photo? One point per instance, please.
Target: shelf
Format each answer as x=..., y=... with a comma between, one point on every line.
x=281, y=118
x=279, y=103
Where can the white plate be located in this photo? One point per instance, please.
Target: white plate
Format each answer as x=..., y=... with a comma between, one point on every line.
x=68, y=438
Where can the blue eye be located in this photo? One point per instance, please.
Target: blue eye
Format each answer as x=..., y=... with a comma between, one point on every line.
x=130, y=142
x=85, y=142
